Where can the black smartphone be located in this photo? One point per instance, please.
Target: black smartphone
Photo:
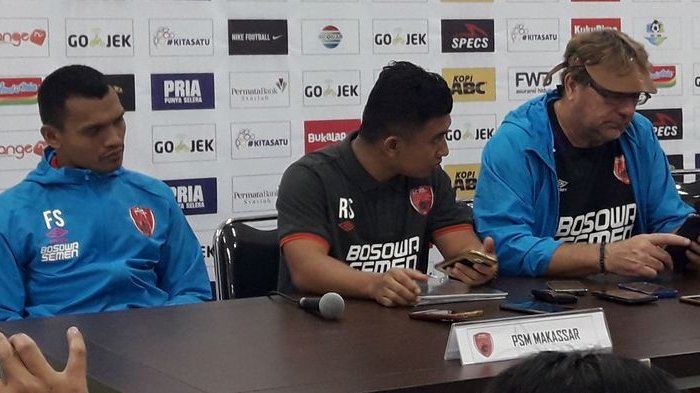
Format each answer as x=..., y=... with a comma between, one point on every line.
x=552, y=296
x=649, y=288
x=691, y=299
x=573, y=287
x=691, y=230
x=625, y=296
x=533, y=307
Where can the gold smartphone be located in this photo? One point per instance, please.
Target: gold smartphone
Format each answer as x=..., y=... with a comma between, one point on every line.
x=468, y=258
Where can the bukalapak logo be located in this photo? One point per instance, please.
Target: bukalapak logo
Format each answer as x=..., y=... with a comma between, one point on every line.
x=668, y=123
x=195, y=196
x=123, y=84
x=182, y=91
x=467, y=35
x=321, y=133
x=258, y=37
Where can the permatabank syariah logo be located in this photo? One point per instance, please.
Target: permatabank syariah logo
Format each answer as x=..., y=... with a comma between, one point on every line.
x=255, y=193
x=181, y=37
x=400, y=35
x=261, y=140
x=259, y=89
x=323, y=88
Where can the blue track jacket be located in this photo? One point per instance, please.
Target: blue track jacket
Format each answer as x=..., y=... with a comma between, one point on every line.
x=75, y=241
x=517, y=198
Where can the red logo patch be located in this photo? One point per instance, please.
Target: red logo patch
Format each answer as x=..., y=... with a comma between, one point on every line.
x=620, y=169
x=484, y=343
x=422, y=199
x=347, y=226
x=143, y=219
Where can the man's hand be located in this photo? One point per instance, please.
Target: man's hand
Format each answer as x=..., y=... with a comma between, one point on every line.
x=25, y=369
x=642, y=255
x=397, y=287
x=693, y=253
x=478, y=274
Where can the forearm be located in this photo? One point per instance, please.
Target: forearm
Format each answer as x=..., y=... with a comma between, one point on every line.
x=323, y=273
x=575, y=260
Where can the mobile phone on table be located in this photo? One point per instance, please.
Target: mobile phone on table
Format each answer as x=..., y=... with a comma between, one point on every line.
x=625, y=296
x=552, y=296
x=649, y=288
x=692, y=299
x=468, y=258
x=533, y=307
x=434, y=314
x=691, y=230
x=573, y=287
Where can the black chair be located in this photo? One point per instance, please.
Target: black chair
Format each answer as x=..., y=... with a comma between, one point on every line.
x=246, y=259
x=689, y=192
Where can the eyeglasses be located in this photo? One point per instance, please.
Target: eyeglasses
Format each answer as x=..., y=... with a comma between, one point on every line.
x=615, y=98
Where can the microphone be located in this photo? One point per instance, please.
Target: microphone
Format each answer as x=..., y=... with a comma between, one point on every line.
x=329, y=306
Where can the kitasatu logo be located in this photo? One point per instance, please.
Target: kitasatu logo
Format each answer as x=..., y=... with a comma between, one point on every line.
x=195, y=196
x=257, y=37
x=584, y=25
x=182, y=91
x=467, y=35
x=668, y=123
x=19, y=91
x=321, y=133
x=330, y=36
x=663, y=76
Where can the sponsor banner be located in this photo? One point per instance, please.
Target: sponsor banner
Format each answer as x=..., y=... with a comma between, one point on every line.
x=99, y=37
x=181, y=37
x=182, y=91
x=583, y=25
x=463, y=178
x=255, y=193
x=400, y=36
x=657, y=1
x=206, y=240
x=19, y=90
x=466, y=1
x=665, y=78
x=696, y=80
x=20, y=149
x=261, y=140
x=123, y=84
x=658, y=33
x=257, y=37
x=330, y=36
x=321, y=133
x=324, y=88
x=195, y=196
x=526, y=82
x=470, y=131
x=467, y=35
x=24, y=37
x=259, y=89
x=184, y=142
x=471, y=84
x=668, y=123
x=532, y=1
x=533, y=35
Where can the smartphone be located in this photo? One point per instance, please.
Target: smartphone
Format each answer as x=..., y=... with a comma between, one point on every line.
x=573, y=287
x=434, y=314
x=552, y=296
x=649, y=288
x=533, y=307
x=692, y=299
x=625, y=296
x=468, y=258
x=691, y=230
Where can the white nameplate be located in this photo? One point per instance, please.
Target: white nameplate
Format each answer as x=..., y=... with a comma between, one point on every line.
x=510, y=338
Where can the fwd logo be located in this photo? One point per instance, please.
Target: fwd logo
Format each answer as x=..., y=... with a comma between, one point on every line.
x=529, y=79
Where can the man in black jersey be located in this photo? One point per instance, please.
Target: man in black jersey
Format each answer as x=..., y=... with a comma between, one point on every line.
x=357, y=217
x=577, y=169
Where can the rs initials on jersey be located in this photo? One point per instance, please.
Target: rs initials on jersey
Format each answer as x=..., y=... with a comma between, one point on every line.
x=53, y=217
x=345, y=209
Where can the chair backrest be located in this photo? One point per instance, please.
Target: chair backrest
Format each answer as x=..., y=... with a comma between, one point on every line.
x=689, y=192
x=246, y=259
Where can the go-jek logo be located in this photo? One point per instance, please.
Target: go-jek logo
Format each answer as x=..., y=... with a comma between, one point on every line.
x=655, y=33
x=330, y=36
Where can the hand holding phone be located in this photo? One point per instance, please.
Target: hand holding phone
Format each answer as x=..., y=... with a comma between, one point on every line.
x=467, y=258
x=691, y=230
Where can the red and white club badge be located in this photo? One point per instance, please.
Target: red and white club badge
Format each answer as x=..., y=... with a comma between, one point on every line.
x=620, y=169
x=422, y=199
x=484, y=343
x=143, y=219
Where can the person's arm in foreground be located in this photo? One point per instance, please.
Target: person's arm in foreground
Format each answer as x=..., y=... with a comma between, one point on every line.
x=25, y=369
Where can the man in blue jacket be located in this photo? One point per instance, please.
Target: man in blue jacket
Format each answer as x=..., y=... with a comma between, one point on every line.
x=82, y=234
x=574, y=182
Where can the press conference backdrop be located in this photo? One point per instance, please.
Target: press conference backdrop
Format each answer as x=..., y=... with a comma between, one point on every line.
x=223, y=95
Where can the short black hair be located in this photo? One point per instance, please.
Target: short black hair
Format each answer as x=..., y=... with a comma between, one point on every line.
x=404, y=98
x=581, y=372
x=64, y=83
